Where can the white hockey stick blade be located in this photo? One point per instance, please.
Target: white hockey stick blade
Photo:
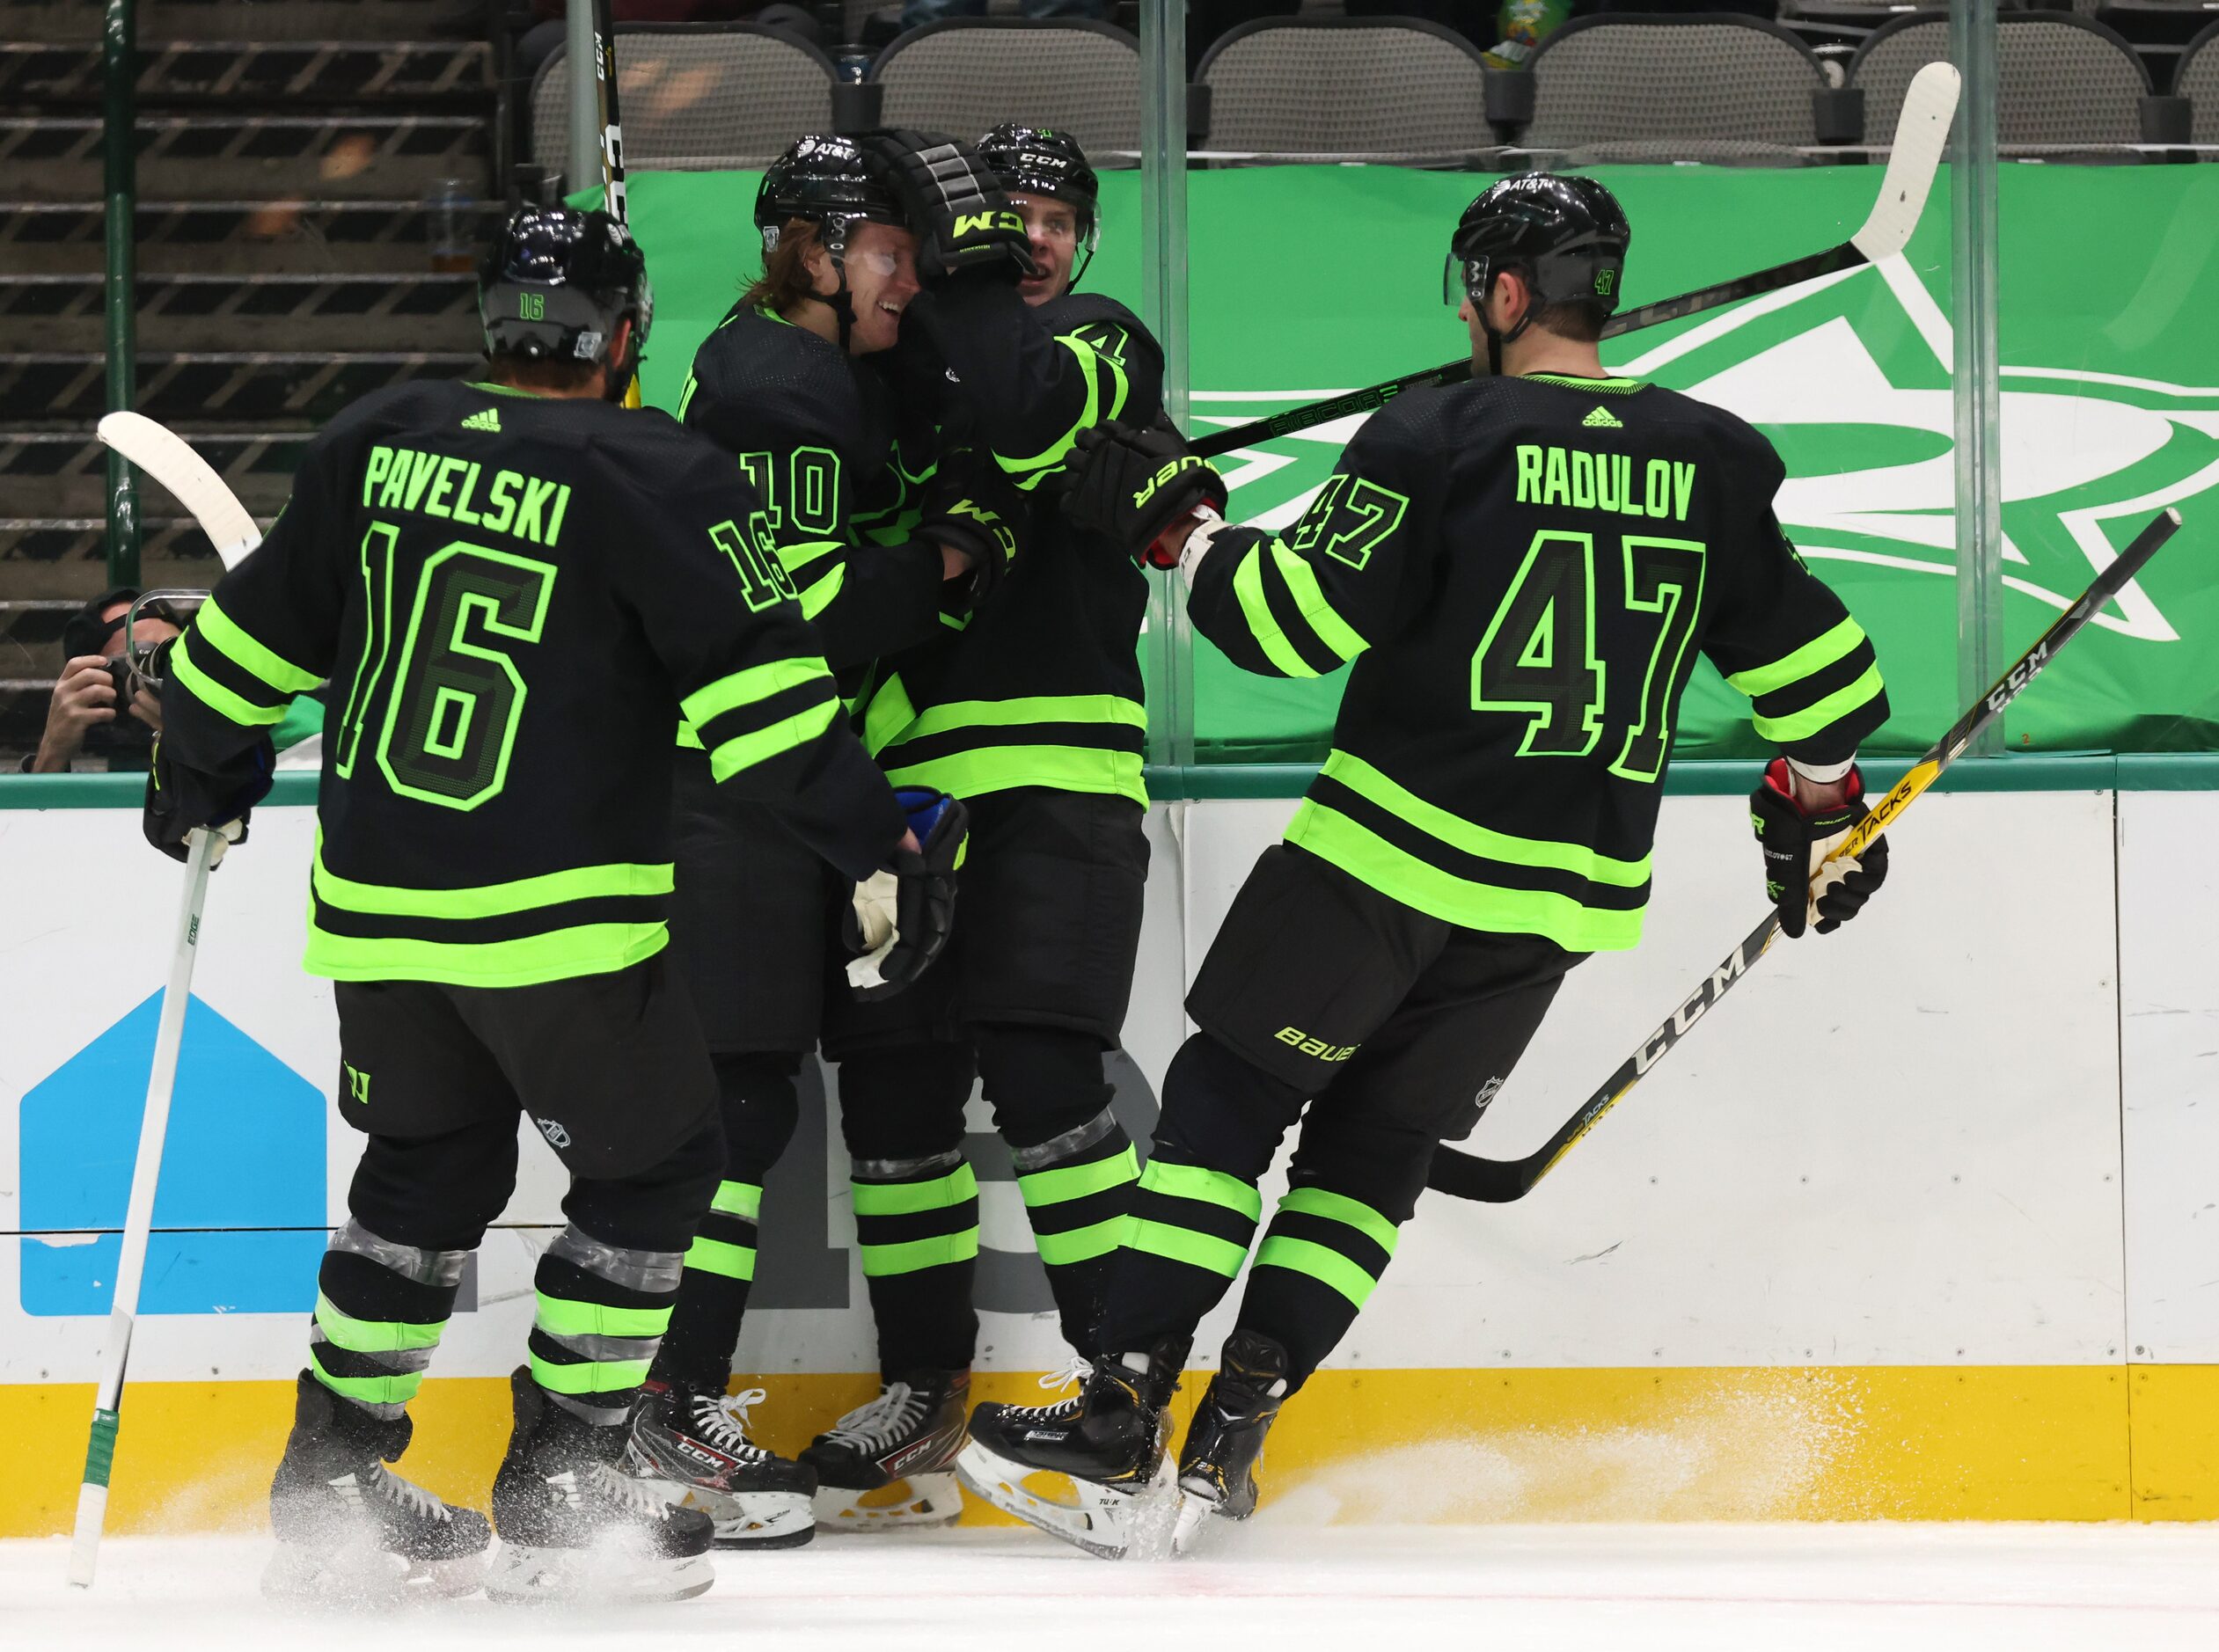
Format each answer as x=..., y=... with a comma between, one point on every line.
x=169, y=460
x=1929, y=104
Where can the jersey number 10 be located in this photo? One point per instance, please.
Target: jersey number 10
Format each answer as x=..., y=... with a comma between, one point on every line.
x=1540, y=655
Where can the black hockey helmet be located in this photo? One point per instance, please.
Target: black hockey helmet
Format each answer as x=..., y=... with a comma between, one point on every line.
x=556, y=282
x=823, y=178
x=1038, y=160
x=1567, y=236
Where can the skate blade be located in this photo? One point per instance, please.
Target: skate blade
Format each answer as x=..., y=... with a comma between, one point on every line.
x=1111, y=1523
x=916, y=1503
x=365, y=1577
x=743, y=1520
x=522, y=1574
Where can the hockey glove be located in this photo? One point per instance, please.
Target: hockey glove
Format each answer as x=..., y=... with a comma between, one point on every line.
x=958, y=209
x=901, y=915
x=180, y=799
x=1134, y=486
x=1796, y=844
x=972, y=521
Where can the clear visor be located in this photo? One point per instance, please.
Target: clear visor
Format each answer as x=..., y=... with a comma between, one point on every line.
x=1460, y=278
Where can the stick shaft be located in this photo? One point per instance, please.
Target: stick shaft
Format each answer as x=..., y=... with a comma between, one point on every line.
x=1499, y=1181
x=138, y=1217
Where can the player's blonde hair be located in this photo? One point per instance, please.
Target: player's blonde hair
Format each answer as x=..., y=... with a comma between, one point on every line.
x=786, y=280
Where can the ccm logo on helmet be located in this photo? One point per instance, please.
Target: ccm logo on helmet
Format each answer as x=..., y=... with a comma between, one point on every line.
x=1147, y=490
x=966, y=223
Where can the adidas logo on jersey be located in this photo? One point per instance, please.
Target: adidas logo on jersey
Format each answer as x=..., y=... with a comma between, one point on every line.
x=1599, y=420
x=489, y=421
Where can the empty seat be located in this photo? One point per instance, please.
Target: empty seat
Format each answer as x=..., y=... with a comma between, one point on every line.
x=696, y=97
x=1386, y=87
x=2199, y=83
x=966, y=75
x=2062, y=80
x=1710, y=86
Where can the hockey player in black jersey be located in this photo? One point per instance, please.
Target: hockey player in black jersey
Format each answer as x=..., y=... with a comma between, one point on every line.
x=1523, y=570
x=1030, y=708
x=515, y=588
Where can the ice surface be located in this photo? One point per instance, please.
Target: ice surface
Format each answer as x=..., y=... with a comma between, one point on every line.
x=1273, y=1585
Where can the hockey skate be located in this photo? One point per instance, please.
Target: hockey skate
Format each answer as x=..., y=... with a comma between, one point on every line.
x=1108, y=1441
x=890, y=1465
x=693, y=1448
x=574, y=1527
x=1217, y=1466
x=350, y=1531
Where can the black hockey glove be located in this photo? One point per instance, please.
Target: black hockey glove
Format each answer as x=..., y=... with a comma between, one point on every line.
x=901, y=915
x=1796, y=845
x=179, y=799
x=1132, y=485
x=974, y=521
x=958, y=209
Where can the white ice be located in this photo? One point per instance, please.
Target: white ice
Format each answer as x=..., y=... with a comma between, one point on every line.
x=1894, y=1588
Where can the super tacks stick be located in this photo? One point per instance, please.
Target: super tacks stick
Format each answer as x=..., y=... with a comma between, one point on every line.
x=1500, y=1181
x=1928, y=105
x=99, y=1457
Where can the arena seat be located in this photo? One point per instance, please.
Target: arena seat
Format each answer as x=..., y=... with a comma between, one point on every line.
x=2063, y=81
x=1714, y=86
x=696, y=97
x=967, y=73
x=1382, y=88
x=2198, y=81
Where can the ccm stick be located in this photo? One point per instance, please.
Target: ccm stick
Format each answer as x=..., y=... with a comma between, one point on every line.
x=604, y=74
x=1928, y=105
x=1501, y=1181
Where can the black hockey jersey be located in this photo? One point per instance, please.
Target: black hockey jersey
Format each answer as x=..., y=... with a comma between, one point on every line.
x=516, y=597
x=1040, y=686
x=1529, y=568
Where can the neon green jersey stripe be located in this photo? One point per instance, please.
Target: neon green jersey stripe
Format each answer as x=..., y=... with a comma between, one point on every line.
x=817, y=596
x=889, y=712
x=1602, y=386
x=742, y=1199
x=881, y=1261
x=1208, y=1186
x=1034, y=708
x=744, y=751
x=488, y=900
x=1091, y=769
x=1814, y=655
x=374, y=1336
x=1363, y=854
x=1335, y=1207
x=801, y=553
x=585, y=949
x=1453, y=829
x=757, y=683
x=906, y=1198
x=398, y=1389
x=1248, y=585
x=715, y=1256
x=1317, y=613
x=223, y=701
x=1327, y=1266
x=564, y=1316
x=1081, y=1244
x=690, y=737
x=589, y=1377
x=1090, y=416
x=1076, y=1181
x=256, y=659
x=1184, y=1245
x=1802, y=725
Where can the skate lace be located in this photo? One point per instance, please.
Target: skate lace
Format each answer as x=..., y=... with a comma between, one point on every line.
x=876, y=1425
x=632, y=1496
x=1073, y=1375
x=412, y=1498
x=721, y=1421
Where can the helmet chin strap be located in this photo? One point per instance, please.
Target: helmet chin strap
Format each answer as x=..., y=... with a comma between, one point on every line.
x=1496, y=339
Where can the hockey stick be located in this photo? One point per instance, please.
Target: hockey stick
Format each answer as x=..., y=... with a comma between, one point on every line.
x=99, y=1456
x=1928, y=105
x=604, y=72
x=164, y=455
x=1500, y=1181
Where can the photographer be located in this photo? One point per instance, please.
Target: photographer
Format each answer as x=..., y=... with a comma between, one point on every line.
x=95, y=690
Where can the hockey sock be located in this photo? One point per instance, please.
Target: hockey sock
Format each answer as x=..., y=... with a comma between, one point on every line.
x=760, y=1107
x=1075, y=1164
x=916, y=1202
x=1353, y=1185
x=1196, y=1206
x=607, y=1284
x=380, y=1308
